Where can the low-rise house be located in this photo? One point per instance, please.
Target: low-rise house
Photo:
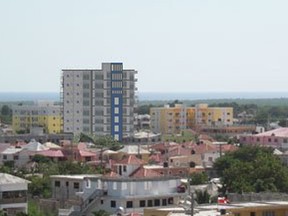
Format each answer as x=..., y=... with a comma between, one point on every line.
x=13, y=194
x=135, y=150
x=12, y=155
x=277, y=138
x=67, y=189
x=130, y=186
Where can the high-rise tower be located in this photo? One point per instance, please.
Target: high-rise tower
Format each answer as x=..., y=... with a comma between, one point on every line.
x=99, y=101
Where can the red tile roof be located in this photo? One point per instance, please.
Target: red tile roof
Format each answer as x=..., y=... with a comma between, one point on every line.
x=84, y=153
x=131, y=159
x=141, y=172
x=155, y=157
x=51, y=153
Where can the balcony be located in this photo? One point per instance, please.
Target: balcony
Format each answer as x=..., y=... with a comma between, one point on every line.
x=13, y=200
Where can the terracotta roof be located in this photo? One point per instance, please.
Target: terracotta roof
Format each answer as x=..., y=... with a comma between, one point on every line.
x=84, y=153
x=131, y=159
x=155, y=157
x=141, y=172
x=51, y=153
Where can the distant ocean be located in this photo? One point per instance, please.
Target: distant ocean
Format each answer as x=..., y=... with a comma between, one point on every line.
x=150, y=96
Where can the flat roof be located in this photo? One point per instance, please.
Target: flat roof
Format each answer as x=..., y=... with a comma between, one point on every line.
x=78, y=177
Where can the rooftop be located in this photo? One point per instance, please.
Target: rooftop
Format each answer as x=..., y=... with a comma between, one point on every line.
x=10, y=179
x=75, y=177
x=279, y=132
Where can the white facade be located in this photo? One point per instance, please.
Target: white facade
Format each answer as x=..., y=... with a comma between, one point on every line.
x=13, y=194
x=99, y=101
x=95, y=193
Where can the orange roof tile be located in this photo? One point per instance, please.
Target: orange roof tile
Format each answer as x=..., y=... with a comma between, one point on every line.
x=141, y=172
x=131, y=159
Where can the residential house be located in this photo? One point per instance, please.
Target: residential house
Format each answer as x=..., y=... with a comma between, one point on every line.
x=277, y=138
x=13, y=194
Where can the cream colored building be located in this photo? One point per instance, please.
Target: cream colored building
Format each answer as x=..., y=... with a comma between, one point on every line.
x=169, y=120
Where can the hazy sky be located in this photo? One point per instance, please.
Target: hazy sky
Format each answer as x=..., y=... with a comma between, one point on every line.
x=176, y=46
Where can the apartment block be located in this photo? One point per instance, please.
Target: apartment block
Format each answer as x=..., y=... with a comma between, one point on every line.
x=168, y=120
x=45, y=115
x=99, y=101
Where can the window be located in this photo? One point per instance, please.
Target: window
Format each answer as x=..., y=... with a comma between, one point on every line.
x=102, y=202
x=116, y=110
x=113, y=204
x=116, y=101
x=129, y=204
x=156, y=202
x=268, y=213
x=269, y=139
x=57, y=183
x=252, y=213
x=116, y=119
x=150, y=203
x=116, y=137
x=16, y=157
x=76, y=185
x=124, y=186
x=124, y=168
x=4, y=157
x=116, y=128
x=88, y=183
x=142, y=203
x=114, y=185
x=67, y=183
x=171, y=202
x=164, y=202
x=285, y=140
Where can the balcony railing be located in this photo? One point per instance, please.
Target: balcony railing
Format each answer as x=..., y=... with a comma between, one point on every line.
x=13, y=200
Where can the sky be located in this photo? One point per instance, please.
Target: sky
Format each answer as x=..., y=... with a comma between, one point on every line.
x=175, y=45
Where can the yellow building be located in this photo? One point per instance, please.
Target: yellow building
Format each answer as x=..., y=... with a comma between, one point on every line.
x=44, y=115
x=264, y=208
x=169, y=120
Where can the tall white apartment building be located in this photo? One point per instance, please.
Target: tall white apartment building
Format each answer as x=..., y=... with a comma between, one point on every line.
x=99, y=101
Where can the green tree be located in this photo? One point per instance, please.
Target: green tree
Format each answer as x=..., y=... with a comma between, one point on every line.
x=202, y=196
x=252, y=169
x=39, y=186
x=100, y=213
x=6, y=114
x=198, y=178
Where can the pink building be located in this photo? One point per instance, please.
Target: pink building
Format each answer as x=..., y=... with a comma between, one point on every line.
x=277, y=138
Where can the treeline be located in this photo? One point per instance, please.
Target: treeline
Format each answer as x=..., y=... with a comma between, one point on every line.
x=252, y=169
x=260, y=113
